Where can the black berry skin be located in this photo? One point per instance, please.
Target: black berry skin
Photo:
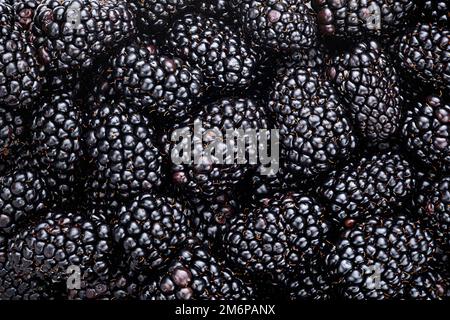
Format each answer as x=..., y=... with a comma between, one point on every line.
x=277, y=236
x=207, y=178
x=369, y=85
x=21, y=76
x=315, y=133
x=351, y=19
x=194, y=274
x=423, y=53
x=159, y=85
x=371, y=186
x=22, y=195
x=42, y=252
x=100, y=27
x=57, y=139
x=226, y=59
x=378, y=258
x=279, y=25
x=120, y=147
x=426, y=132
x=149, y=229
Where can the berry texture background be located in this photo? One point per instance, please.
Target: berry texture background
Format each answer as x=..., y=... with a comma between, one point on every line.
x=92, y=92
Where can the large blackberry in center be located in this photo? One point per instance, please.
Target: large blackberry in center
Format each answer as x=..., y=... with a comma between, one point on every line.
x=209, y=177
x=315, y=133
x=119, y=142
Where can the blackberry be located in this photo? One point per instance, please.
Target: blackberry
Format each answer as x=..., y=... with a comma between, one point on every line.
x=226, y=60
x=149, y=229
x=379, y=257
x=426, y=130
x=194, y=274
x=369, y=85
x=353, y=19
x=120, y=147
x=209, y=177
x=436, y=10
x=154, y=16
x=71, y=34
x=57, y=242
x=22, y=195
x=369, y=187
x=20, y=74
x=314, y=131
x=56, y=137
x=279, y=25
x=162, y=85
x=437, y=211
x=423, y=53
x=277, y=237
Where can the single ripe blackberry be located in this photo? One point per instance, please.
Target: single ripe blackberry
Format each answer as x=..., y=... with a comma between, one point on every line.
x=351, y=19
x=120, y=147
x=277, y=237
x=56, y=137
x=429, y=285
x=149, y=229
x=71, y=34
x=12, y=129
x=423, y=52
x=22, y=195
x=46, y=249
x=436, y=211
x=314, y=131
x=426, y=131
x=154, y=16
x=226, y=60
x=369, y=85
x=436, y=11
x=161, y=85
x=194, y=274
x=371, y=186
x=20, y=74
x=208, y=177
x=279, y=25
x=379, y=258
